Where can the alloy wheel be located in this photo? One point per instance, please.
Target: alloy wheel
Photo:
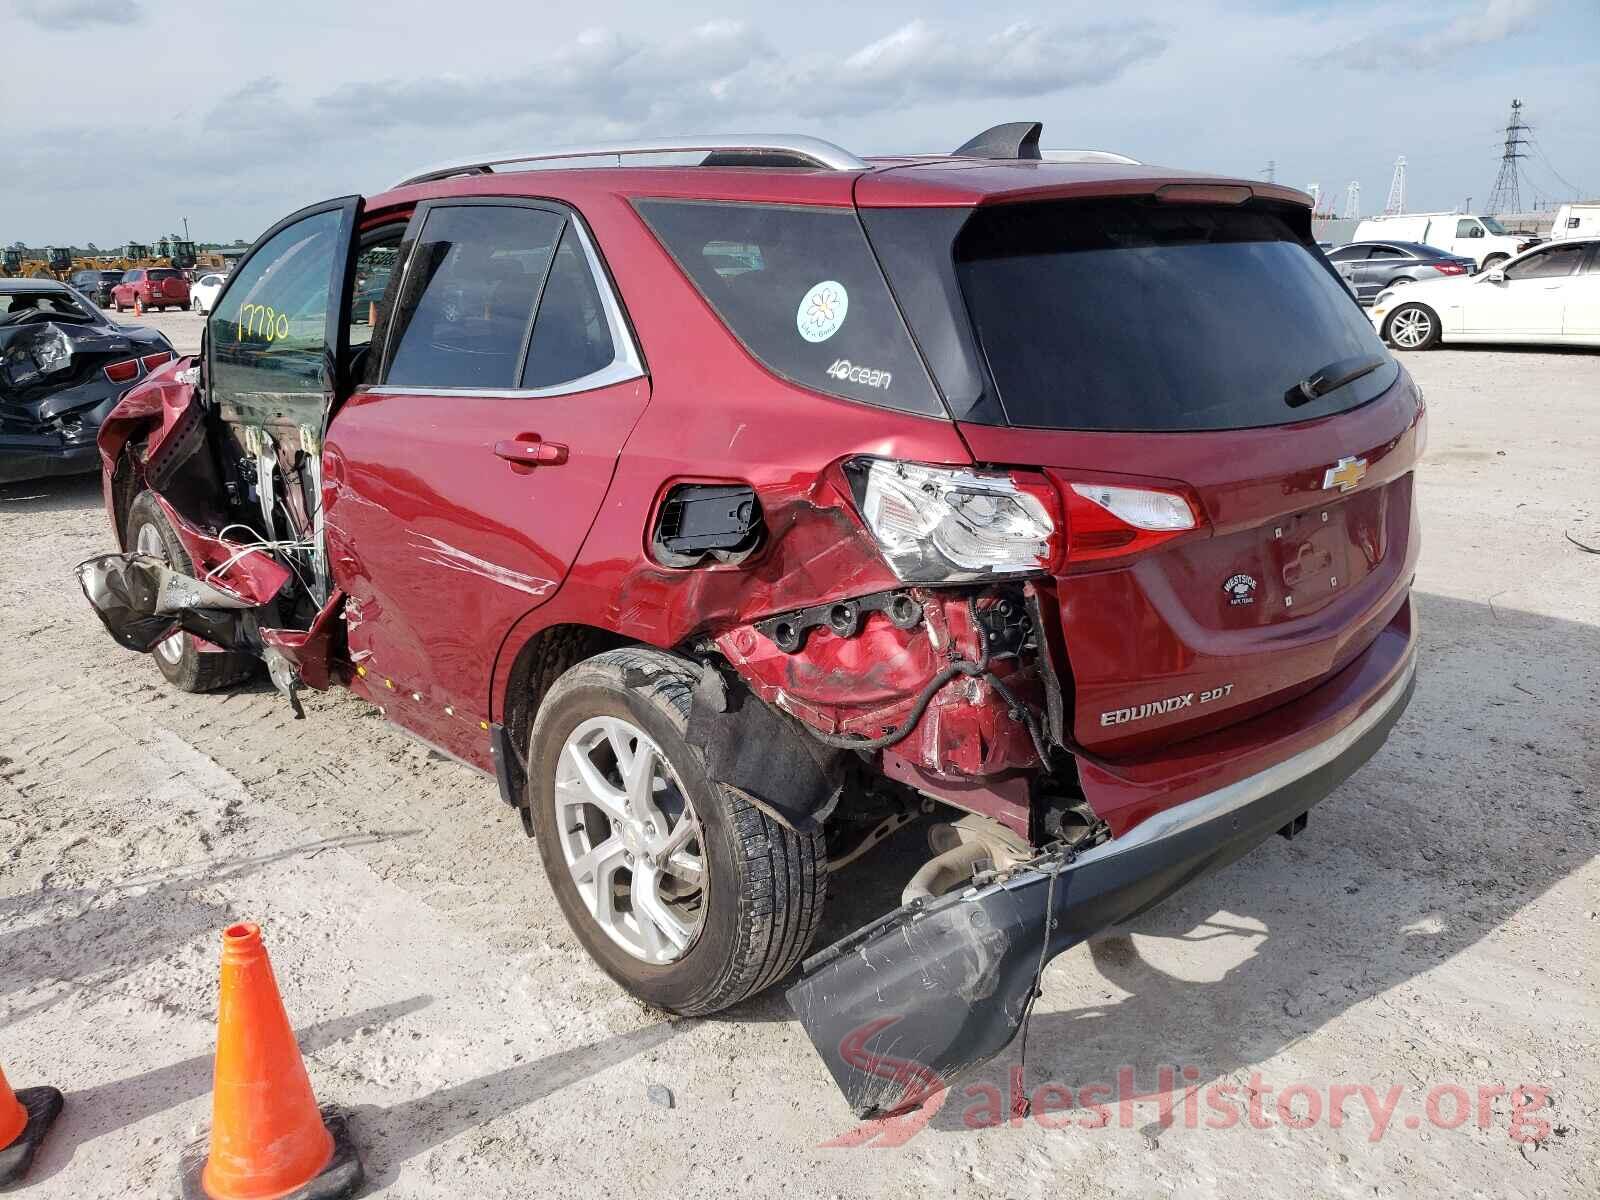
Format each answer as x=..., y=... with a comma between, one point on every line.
x=630, y=837
x=1410, y=328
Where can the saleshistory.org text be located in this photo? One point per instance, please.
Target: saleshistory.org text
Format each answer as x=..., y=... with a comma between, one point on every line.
x=1178, y=1098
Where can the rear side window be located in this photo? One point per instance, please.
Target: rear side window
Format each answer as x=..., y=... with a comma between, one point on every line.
x=570, y=337
x=1148, y=316
x=469, y=294
x=799, y=287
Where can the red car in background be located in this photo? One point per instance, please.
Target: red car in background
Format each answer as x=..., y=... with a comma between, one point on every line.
x=734, y=513
x=157, y=288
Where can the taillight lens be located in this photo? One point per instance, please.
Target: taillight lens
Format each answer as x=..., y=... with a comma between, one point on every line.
x=152, y=361
x=121, y=372
x=1450, y=268
x=945, y=524
x=1110, y=521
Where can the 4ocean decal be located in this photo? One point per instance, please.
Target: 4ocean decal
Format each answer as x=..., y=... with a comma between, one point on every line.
x=872, y=377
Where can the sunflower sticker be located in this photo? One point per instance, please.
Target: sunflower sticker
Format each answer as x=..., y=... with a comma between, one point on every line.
x=822, y=311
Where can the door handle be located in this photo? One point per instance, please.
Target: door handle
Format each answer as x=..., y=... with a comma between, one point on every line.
x=530, y=451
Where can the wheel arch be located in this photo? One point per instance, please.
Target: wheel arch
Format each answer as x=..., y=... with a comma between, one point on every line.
x=541, y=659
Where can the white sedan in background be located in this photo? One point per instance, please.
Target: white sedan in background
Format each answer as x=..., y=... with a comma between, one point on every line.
x=203, y=296
x=1549, y=294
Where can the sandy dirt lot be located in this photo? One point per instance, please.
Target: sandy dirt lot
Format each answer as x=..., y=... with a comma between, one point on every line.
x=1435, y=927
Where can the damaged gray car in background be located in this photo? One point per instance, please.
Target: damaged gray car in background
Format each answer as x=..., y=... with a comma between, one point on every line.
x=63, y=367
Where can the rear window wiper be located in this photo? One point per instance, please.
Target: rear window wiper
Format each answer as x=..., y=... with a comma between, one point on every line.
x=1332, y=377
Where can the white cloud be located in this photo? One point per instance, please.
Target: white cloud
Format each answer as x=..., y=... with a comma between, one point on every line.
x=1496, y=21
x=71, y=16
x=725, y=70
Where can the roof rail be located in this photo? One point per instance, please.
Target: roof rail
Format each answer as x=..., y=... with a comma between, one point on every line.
x=1088, y=156
x=803, y=150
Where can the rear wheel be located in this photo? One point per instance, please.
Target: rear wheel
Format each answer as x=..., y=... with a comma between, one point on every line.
x=178, y=658
x=683, y=891
x=1413, y=327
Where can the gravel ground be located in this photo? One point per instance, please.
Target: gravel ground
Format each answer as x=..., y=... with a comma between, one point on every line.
x=1436, y=925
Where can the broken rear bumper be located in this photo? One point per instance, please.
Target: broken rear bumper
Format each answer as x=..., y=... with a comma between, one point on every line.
x=900, y=1007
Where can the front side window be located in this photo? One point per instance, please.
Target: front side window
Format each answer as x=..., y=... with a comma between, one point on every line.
x=1468, y=229
x=800, y=288
x=268, y=332
x=468, y=295
x=1556, y=261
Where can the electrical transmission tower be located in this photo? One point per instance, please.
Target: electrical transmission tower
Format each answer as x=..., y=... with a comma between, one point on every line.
x=1397, y=189
x=1506, y=196
x=1270, y=171
x=1352, y=200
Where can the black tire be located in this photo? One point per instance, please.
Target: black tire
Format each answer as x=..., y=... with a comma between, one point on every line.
x=192, y=671
x=1493, y=261
x=1421, y=313
x=765, y=883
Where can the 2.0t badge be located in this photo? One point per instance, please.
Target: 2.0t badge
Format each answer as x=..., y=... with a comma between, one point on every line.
x=1241, y=589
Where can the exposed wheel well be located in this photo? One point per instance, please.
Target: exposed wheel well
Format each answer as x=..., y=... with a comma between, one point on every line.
x=125, y=487
x=543, y=659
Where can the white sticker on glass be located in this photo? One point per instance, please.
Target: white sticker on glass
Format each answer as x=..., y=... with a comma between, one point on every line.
x=822, y=311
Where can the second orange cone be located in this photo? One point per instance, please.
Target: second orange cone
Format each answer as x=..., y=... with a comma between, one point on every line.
x=268, y=1138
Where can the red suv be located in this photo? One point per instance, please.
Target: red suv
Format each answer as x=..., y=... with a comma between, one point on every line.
x=734, y=512
x=159, y=288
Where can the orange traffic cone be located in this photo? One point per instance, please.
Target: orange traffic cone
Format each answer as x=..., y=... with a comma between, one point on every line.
x=268, y=1138
x=25, y=1117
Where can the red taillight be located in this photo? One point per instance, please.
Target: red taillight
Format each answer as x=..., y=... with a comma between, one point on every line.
x=1114, y=521
x=121, y=372
x=152, y=361
x=1450, y=268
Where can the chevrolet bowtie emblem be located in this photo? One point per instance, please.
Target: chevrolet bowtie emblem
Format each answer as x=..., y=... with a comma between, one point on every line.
x=1345, y=474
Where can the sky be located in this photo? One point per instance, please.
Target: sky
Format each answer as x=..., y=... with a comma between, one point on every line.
x=249, y=111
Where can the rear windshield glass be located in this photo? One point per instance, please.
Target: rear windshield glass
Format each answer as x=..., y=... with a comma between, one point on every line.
x=18, y=308
x=1142, y=316
x=163, y=273
x=800, y=288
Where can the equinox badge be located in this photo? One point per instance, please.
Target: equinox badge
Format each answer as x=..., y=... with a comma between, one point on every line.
x=1345, y=474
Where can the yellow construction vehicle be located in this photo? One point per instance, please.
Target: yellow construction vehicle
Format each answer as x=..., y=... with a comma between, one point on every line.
x=59, y=262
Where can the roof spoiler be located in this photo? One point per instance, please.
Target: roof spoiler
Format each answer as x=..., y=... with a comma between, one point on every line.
x=1013, y=140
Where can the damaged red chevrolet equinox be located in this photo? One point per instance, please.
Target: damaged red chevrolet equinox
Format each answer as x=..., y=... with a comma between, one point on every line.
x=734, y=506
